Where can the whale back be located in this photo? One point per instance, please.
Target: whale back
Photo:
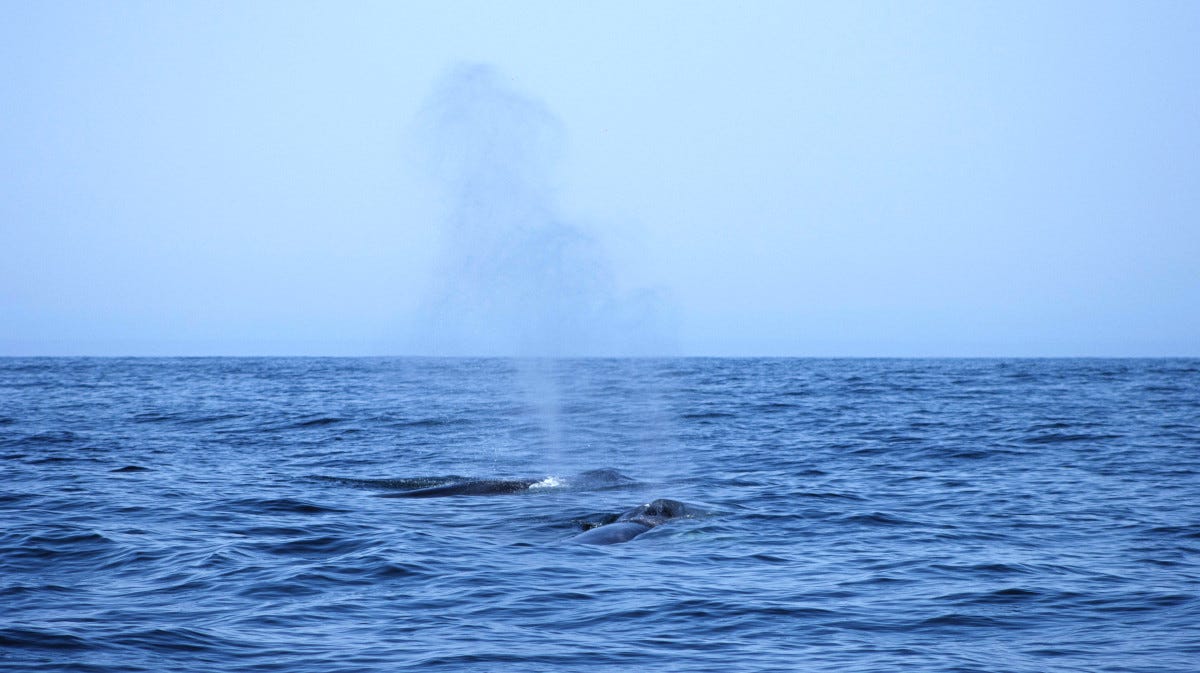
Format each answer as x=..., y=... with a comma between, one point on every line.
x=471, y=487
x=658, y=511
x=612, y=533
x=636, y=521
x=602, y=478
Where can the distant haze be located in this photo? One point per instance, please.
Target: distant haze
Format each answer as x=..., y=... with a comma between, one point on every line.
x=677, y=178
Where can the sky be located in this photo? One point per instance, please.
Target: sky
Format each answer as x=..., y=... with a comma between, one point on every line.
x=618, y=178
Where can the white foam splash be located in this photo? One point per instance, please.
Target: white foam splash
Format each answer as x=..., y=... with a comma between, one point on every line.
x=548, y=482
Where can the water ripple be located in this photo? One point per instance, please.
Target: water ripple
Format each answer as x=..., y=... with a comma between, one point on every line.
x=867, y=515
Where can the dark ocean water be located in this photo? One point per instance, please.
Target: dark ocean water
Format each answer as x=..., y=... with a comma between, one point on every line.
x=853, y=515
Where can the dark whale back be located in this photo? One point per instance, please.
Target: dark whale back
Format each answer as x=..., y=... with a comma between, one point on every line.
x=470, y=487
x=612, y=533
x=636, y=521
x=592, y=479
x=658, y=511
x=602, y=478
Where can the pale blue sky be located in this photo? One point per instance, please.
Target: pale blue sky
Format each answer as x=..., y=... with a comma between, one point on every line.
x=782, y=178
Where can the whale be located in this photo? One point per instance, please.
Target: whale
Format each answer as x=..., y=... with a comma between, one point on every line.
x=636, y=521
x=590, y=480
x=467, y=487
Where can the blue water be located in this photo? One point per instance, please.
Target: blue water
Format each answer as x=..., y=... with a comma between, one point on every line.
x=854, y=515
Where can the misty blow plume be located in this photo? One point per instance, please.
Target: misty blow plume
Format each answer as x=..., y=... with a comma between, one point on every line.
x=514, y=277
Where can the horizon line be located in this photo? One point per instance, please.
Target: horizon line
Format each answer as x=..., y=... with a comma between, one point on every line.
x=418, y=356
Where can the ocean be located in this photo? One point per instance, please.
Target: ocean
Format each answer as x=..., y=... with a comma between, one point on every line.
x=259, y=514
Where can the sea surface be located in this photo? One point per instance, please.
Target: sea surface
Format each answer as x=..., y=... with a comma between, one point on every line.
x=230, y=514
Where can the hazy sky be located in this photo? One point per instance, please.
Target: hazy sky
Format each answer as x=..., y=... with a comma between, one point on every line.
x=958, y=178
